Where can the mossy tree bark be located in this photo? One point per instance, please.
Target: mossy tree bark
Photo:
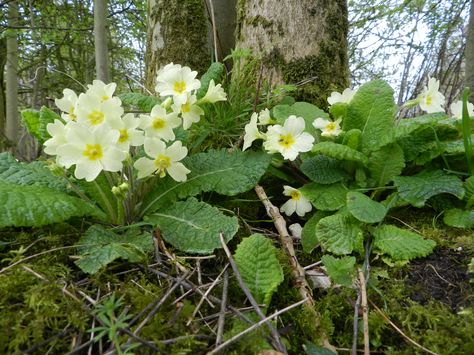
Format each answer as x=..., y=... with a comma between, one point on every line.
x=12, y=125
x=297, y=41
x=470, y=54
x=177, y=32
x=100, y=41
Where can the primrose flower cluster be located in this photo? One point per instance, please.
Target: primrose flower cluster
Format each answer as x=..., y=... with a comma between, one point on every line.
x=95, y=134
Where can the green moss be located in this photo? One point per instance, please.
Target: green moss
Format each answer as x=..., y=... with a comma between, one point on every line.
x=259, y=20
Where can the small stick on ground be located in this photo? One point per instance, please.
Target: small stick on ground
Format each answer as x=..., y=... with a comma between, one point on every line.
x=355, y=326
x=221, y=320
x=280, y=224
x=399, y=331
x=165, y=250
x=253, y=327
x=365, y=312
x=276, y=337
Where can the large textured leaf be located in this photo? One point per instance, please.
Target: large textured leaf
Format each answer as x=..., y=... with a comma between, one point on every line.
x=144, y=103
x=386, y=163
x=98, y=247
x=418, y=188
x=341, y=270
x=36, y=173
x=309, y=238
x=458, y=218
x=28, y=206
x=36, y=122
x=340, y=152
x=214, y=72
x=323, y=169
x=227, y=173
x=301, y=109
x=365, y=209
x=372, y=110
x=340, y=234
x=401, y=244
x=325, y=197
x=193, y=226
x=259, y=267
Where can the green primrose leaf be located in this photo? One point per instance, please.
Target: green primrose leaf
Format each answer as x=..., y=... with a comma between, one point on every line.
x=458, y=218
x=401, y=244
x=98, y=247
x=341, y=270
x=194, y=227
x=365, y=209
x=323, y=169
x=142, y=102
x=417, y=189
x=309, y=238
x=386, y=163
x=340, y=234
x=340, y=152
x=214, y=72
x=36, y=122
x=325, y=197
x=259, y=267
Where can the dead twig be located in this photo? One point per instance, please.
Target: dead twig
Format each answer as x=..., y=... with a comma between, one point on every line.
x=255, y=326
x=365, y=312
x=221, y=319
x=399, y=331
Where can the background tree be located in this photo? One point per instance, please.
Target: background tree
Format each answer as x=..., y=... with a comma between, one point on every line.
x=11, y=124
x=470, y=54
x=100, y=41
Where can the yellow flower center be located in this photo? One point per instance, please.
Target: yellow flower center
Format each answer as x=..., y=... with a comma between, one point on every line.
x=286, y=140
x=185, y=108
x=429, y=100
x=295, y=195
x=158, y=123
x=104, y=98
x=123, y=136
x=72, y=115
x=162, y=162
x=179, y=87
x=96, y=117
x=331, y=127
x=93, y=151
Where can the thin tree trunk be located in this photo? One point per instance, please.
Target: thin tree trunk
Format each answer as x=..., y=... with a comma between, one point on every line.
x=3, y=60
x=298, y=41
x=12, y=124
x=177, y=32
x=470, y=54
x=100, y=41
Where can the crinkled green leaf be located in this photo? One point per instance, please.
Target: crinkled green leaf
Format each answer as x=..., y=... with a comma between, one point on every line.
x=323, y=169
x=142, y=102
x=98, y=247
x=352, y=138
x=401, y=244
x=227, y=173
x=259, y=267
x=469, y=187
x=36, y=173
x=340, y=270
x=309, y=238
x=418, y=188
x=312, y=349
x=36, y=122
x=214, y=72
x=340, y=234
x=372, y=110
x=364, y=208
x=340, y=152
x=458, y=218
x=34, y=206
x=386, y=163
x=194, y=227
x=325, y=197
x=300, y=109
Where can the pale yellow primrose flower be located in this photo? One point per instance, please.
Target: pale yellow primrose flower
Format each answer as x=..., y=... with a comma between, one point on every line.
x=431, y=100
x=251, y=132
x=91, y=150
x=345, y=97
x=264, y=117
x=159, y=123
x=214, y=93
x=101, y=90
x=129, y=134
x=92, y=111
x=57, y=130
x=174, y=80
x=190, y=112
x=297, y=203
x=456, y=109
x=290, y=139
x=295, y=230
x=328, y=128
x=67, y=104
x=165, y=160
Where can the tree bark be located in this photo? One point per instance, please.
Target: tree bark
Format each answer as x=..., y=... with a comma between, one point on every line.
x=177, y=32
x=12, y=125
x=3, y=60
x=225, y=17
x=298, y=41
x=470, y=54
x=100, y=41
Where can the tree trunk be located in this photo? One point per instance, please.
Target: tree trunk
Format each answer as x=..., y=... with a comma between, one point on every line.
x=3, y=60
x=298, y=41
x=225, y=17
x=177, y=32
x=470, y=54
x=100, y=41
x=12, y=125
